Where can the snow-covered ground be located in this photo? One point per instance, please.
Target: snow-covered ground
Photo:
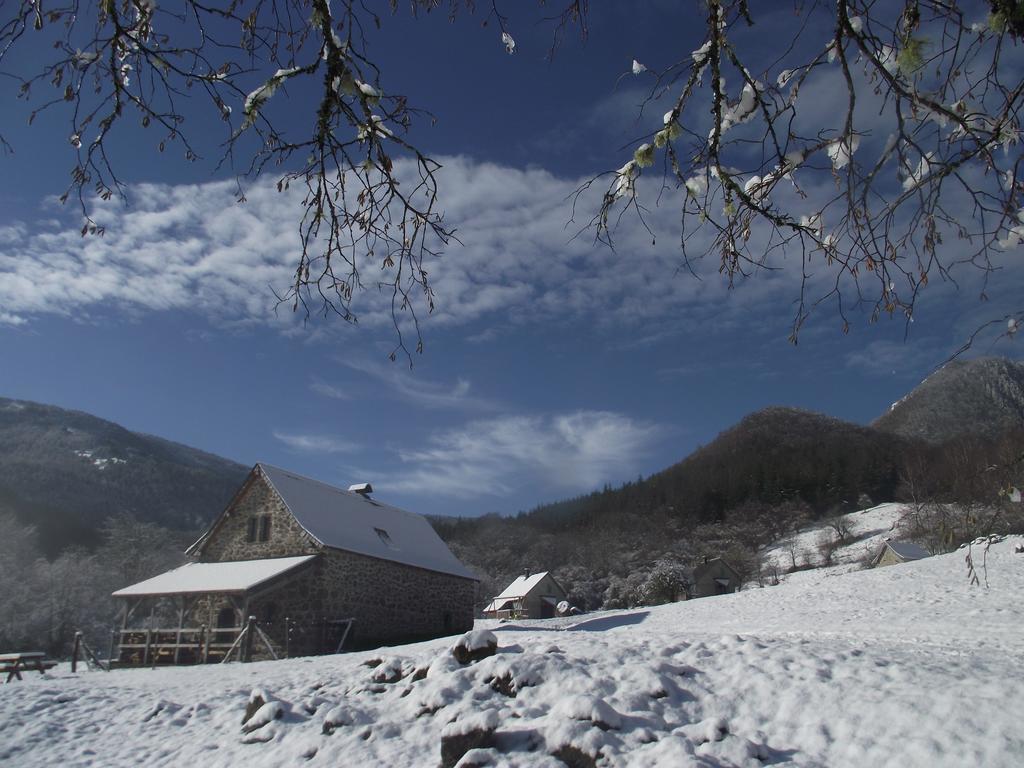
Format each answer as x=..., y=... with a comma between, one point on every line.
x=868, y=530
x=906, y=666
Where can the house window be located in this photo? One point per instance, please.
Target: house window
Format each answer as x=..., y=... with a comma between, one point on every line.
x=265, y=528
x=383, y=536
x=251, y=536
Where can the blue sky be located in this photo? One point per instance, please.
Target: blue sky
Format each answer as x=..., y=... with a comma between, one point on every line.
x=553, y=365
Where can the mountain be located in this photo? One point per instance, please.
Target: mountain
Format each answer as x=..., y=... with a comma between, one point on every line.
x=66, y=471
x=982, y=397
x=783, y=454
x=771, y=456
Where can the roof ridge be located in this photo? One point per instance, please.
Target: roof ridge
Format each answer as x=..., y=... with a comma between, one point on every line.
x=262, y=464
x=328, y=486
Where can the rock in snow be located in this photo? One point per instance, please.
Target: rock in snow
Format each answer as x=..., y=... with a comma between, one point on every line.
x=475, y=645
x=475, y=731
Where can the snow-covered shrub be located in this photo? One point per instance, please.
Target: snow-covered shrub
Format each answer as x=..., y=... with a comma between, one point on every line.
x=667, y=582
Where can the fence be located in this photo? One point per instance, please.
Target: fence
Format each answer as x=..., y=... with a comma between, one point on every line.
x=205, y=645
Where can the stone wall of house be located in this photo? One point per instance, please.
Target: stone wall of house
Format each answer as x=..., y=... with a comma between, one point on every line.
x=392, y=602
x=295, y=608
x=230, y=539
x=295, y=604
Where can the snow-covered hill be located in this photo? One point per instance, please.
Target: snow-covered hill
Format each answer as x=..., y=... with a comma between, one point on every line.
x=867, y=530
x=908, y=665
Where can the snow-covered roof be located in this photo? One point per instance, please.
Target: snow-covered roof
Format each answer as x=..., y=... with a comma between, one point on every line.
x=237, y=576
x=522, y=586
x=357, y=523
x=907, y=550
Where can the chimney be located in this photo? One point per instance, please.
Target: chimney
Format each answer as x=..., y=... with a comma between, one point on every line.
x=363, y=489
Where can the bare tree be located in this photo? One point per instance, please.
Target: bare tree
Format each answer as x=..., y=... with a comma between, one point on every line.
x=840, y=528
x=827, y=543
x=121, y=61
x=869, y=219
x=913, y=178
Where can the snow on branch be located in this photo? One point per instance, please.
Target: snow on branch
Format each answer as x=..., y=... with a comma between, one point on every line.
x=904, y=165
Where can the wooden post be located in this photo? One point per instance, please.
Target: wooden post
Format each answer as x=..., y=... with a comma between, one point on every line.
x=145, y=653
x=110, y=654
x=206, y=644
x=250, y=633
x=344, y=635
x=177, y=637
x=287, y=637
x=74, y=653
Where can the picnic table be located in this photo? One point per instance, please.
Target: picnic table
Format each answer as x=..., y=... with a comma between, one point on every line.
x=14, y=663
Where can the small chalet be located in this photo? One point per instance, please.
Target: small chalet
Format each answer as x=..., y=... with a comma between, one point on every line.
x=896, y=552
x=713, y=577
x=318, y=568
x=533, y=596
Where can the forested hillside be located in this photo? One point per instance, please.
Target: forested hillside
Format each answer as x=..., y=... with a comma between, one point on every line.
x=65, y=472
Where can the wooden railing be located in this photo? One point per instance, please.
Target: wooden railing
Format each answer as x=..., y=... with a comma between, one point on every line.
x=177, y=645
x=206, y=645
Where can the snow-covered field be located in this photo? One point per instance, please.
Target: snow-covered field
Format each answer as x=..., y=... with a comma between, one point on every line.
x=904, y=666
x=868, y=528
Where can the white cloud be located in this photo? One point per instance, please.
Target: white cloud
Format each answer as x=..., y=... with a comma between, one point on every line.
x=316, y=443
x=321, y=387
x=569, y=452
x=194, y=248
x=185, y=247
x=408, y=384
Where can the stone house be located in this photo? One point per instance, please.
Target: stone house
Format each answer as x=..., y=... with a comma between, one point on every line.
x=896, y=552
x=315, y=565
x=533, y=596
x=713, y=577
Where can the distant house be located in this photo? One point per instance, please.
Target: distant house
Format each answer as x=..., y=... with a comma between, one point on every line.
x=896, y=552
x=533, y=596
x=713, y=577
x=315, y=565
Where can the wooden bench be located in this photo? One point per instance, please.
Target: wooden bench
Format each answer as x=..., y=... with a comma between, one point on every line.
x=14, y=663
